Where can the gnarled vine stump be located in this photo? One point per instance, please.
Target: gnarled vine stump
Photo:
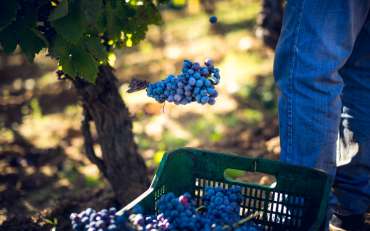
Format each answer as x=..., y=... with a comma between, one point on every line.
x=121, y=163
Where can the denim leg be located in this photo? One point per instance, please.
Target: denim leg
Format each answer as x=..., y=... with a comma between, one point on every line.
x=351, y=185
x=317, y=39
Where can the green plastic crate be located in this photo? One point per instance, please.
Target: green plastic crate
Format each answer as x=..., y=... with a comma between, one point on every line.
x=297, y=202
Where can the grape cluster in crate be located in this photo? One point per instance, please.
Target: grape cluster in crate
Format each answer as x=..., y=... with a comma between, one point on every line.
x=219, y=212
x=194, y=84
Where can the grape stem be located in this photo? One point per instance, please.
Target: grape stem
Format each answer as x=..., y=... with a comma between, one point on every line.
x=137, y=85
x=164, y=105
x=248, y=218
x=202, y=207
x=243, y=221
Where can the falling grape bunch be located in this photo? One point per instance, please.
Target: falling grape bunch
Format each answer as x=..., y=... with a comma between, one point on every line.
x=194, y=84
x=220, y=212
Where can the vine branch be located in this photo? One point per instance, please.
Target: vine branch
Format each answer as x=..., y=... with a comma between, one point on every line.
x=89, y=148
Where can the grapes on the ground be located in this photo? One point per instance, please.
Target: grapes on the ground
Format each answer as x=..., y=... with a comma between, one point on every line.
x=196, y=83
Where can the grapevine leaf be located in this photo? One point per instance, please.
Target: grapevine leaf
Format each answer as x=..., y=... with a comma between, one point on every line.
x=137, y=26
x=125, y=11
x=72, y=26
x=113, y=25
x=60, y=11
x=8, y=11
x=22, y=30
x=150, y=13
x=31, y=42
x=59, y=47
x=8, y=40
x=67, y=67
x=92, y=10
x=84, y=64
x=113, y=3
x=95, y=48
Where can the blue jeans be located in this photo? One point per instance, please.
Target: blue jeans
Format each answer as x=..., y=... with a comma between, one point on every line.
x=322, y=68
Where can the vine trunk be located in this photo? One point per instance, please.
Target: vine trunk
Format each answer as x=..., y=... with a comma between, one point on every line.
x=120, y=163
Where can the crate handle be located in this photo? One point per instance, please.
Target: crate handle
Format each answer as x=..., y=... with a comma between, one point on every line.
x=260, y=165
x=234, y=175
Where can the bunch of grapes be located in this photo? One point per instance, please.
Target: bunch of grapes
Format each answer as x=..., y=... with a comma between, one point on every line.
x=137, y=221
x=90, y=220
x=219, y=213
x=180, y=212
x=194, y=84
x=223, y=205
x=158, y=222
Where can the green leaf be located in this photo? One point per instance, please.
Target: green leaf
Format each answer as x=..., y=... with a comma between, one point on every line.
x=125, y=11
x=92, y=12
x=84, y=64
x=150, y=13
x=79, y=63
x=113, y=3
x=60, y=11
x=59, y=47
x=137, y=26
x=113, y=24
x=72, y=26
x=31, y=42
x=67, y=67
x=8, y=39
x=8, y=12
x=95, y=48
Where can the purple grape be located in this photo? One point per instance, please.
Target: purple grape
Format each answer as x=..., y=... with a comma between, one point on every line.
x=204, y=71
x=192, y=81
x=187, y=63
x=188, y=88
x=213, y=19
x=188, y=93
x=196, y=66
x=204, y=99
x=177, y=98
x=203, y=92
x=209, y=63
x=211, y=91
x=197, y=75
x=207, y=83
x=211, y=101
x=199, y=83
